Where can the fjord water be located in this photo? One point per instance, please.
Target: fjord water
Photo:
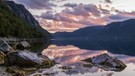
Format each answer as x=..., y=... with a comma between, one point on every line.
x=70, y=53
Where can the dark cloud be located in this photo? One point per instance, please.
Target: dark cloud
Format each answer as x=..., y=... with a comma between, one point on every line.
x=36, y=4
x=57, y=17
x=84, y=10
x=70, y=5
x=79, y=10
x=108, y=1
x=59, y=0
x=117, y=17
x=121, y=16
x=93, y=9
x=49, y=15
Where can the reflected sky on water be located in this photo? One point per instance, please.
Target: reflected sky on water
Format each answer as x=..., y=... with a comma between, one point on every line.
x=71, y=56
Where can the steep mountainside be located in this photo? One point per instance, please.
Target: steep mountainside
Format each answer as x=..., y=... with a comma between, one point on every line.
x=23, y=13
x=12, y=25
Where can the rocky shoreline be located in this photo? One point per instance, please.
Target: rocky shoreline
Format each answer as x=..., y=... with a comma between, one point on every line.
x=22, y=63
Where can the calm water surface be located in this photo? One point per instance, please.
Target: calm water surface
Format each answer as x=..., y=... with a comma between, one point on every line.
x=71, y=56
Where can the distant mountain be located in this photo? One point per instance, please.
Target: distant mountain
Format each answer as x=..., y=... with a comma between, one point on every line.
x=81, y=33
x=115, y=37
x=124, y=30
x=12, y=25
x=23, y=13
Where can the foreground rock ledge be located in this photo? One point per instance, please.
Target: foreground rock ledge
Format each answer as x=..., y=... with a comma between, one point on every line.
x=105, y=62
x=22, y=63
x=27, y=59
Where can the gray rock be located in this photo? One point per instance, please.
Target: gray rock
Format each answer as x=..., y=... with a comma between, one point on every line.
x=4, y=46
x=27, y=59
x=107, y=63
x=23, y=45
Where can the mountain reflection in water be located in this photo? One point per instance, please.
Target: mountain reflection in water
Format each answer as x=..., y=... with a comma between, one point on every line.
x=69, y=55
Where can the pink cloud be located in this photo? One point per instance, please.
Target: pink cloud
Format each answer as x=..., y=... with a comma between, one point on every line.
x=82, y=15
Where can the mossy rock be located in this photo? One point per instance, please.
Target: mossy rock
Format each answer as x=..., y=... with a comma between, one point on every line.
x=47, y=63
x=15, y=71
x=2, y=55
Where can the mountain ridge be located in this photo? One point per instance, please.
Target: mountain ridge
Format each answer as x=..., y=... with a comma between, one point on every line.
x=124, y=29
x=11, y=25
x=23, y=13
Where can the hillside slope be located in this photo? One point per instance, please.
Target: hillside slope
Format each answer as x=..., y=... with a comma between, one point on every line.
x=24, y=14
x=12, y=25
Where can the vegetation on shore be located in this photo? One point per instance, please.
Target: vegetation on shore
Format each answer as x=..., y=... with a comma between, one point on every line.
x=12, y=25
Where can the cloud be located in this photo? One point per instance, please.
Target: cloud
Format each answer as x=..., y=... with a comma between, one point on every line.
x=82, y=15
x=36, y=4
x=121, y=16
x=59, y=0
x=49, y=15
x=73, y=18
x=70, y=20
x=84, y=10
x=70, y=5
x=117, y=17
x=108, y=1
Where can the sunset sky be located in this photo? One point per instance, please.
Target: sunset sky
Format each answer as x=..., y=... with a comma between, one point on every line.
x=70, y=15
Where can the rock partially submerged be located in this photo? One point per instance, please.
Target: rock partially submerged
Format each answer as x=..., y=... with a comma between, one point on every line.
x=104, y=61
x=27, y=59
x=5, y=47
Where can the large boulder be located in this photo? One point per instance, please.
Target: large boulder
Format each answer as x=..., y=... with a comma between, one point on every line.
x=27, y=59
x=107, y=63
x=4, y=46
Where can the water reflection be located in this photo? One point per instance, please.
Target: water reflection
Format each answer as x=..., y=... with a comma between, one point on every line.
x=126, y=48
x=71, y=56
